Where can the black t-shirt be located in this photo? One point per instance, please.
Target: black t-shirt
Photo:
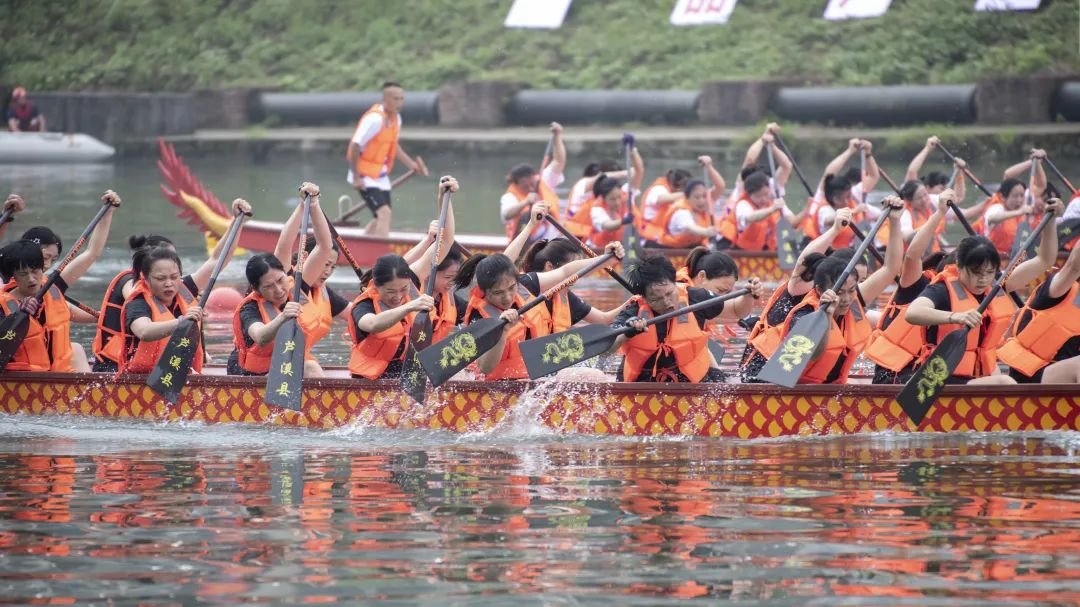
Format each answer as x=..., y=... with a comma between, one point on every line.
x=667, y=361
x=578, y=308
x=938, y=293
x=337, y=302
x=24, y=113
x=140, y=308
x=905, y=295
x=1041, y=300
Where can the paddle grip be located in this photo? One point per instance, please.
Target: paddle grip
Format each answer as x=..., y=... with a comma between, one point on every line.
x=546, y=295
x=712, y=301
x=300, y=253
x=230, y=237
x=860, y=250
x=429, y=288
x=6, y=215
x=73, y=252
x=873, y=250
x=966, y=170
x=794, y=165
x=586, y=250
x=1053, y=167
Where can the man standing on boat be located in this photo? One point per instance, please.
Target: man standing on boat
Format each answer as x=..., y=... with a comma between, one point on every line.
x=23, y=115
x=371, y=154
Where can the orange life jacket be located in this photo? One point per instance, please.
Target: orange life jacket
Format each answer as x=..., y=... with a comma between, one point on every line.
x=726, y=223
x=844, y=238
x=371, y=355
x=253, y=358
x=535, y=323
x=108, y=343
x=980, y=354
x=444, y=319
x=765, y=337
x=141, y=357
x=654, y=229
x=377, y=157
x=684, y=339
x=546, y=194
x=315, y=318
x=599, y=238
x=46, y=347
x=842, y=346
x=1003, y=233
x=685, y=240
x=760, y=236
x=580, y=224
x=896, y=343
x=1037, y=344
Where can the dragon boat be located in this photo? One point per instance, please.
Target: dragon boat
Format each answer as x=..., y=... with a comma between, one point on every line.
x=745, y=411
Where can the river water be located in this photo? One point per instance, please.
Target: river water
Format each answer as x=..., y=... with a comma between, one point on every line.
x=119, y=513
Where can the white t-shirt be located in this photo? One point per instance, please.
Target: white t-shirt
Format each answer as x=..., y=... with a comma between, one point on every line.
x=366, y=130
x=680, y=222
x=652, y=207
x=579, y=195
x=993, y=210
x=1072, y=211
x=599, y=214
x=509, y=201
x=744, y=208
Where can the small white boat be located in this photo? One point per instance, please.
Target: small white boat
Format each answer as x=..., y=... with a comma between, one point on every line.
x=52, y=147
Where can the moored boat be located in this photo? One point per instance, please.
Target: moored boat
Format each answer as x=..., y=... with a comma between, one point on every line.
x=744, y=411
x=52, y=148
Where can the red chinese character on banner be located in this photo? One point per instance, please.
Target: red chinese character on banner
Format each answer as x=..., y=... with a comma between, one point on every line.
x=694, y=7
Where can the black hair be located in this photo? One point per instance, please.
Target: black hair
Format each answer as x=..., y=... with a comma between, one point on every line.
x=932, y=260
x=391, y=83
x=677, y=178
x=156, y=254
x=43, y=237
x=907, y=191
x=948, y=259
x=557, y=251
x=608, y=166
x=846, y=254
x=935, y=178
x=390, y=267
x=827, y=271
x=755, y=181
x=1051, y=192
x=650, y=271
x=1008, y=185
x=258, y=266
x=750, y=170
x=486, y=269
x=452, y=256
x=810, y=264
x=834, y=185
x=691, y=185
x=20, y=255
x=138, y=241
x=714, y=263
x=853, y=175
x=520, y=172
x=309, y=245
x=591, y=170
x=976, y=252
x=604, y=184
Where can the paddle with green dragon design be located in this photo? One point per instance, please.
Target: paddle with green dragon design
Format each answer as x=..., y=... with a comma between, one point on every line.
x=920, y=392
x=791, y=358
x=443, y=360
x=552, y=353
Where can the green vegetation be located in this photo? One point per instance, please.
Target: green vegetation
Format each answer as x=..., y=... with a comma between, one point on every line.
x=356, y=44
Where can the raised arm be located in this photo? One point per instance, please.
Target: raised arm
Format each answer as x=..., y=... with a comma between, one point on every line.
x=1067, y=276
x=875, y=283
x=315, y=262
x=201, y=277
x=1032, y=269
x=924, y=237
x=516, y=247
x=837, y=164
x=422, y=266
x=286, y=242
x=784, y=166
x=870, y=178
x=550, y=279
x=798, y=286
x=717, y=179
x=959, y=184
x=917, y=162
x=637, y=175
x=1038, y=183
x=96, y=246
x=558, y=149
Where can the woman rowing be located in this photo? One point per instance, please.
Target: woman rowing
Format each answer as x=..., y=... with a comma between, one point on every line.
x=717, y=273
x=581, y=191
x=751, y=225
x=1015, y=202
x=498, y=293
x=382, y=315
x=527, y=186
x=950, y=302
x=15, y=204
x=689, y=221
x=676, y=351
x=449, y=310
x=937, y=182
x=603, y=219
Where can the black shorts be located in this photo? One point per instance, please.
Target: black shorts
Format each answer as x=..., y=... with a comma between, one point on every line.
x=375, y=198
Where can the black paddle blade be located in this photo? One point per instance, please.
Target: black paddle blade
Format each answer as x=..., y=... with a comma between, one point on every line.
x=413, y=380
x=443, y=360
x=787, y=249
x=171, y=371
x=13, y=330
x=1068, y=231
x=285, y=381
x=922, y=389
x=552, y=353
x=1023, y=231
x=787, y=364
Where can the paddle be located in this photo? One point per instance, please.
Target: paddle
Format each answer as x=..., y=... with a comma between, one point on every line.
x=170, y=373
x=342, y=247
x=1023, y=227
x=360, y=206
x=413, y=381
x=586, y=250
x=285, y=380
x=971, y=232
x=966, y=170
x=920, y=392
x=787, y=252
x=787, y=364
x=552, y=353
x=13, y=327
x=888, y=180
x=1061, y=176
x=80, y=305
x=794, y=165
x=631, y=241
x=444, y=359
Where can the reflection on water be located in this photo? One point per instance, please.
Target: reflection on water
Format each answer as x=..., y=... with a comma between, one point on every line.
x=271, y=517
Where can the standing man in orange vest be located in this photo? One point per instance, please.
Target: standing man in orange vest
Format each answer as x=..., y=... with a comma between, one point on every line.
x=371, y=154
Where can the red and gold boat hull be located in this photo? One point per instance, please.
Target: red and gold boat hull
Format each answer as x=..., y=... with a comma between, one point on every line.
x=624, y=409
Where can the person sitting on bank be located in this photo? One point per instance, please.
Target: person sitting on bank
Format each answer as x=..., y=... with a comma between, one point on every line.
x=371, y=154
x=22, y=115
x=675, y=351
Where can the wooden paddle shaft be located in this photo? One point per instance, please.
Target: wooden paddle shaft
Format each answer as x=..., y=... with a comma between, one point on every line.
x=1000, y=282
x=859, y=234
x=965, y=169
x=586, y=250
x=430, y=287
x=75, y=248
x=794, y=165
x=971, y=232
x=888, y=180
x=774, y=187
x=342, y=247
x=860, y=250
x=360, y=206
x=298, y=269
x=712, y=301
x=1053, y=167
x=546, y=295
x=230, y=237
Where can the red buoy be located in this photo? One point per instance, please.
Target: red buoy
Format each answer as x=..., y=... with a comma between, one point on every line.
x=223, y=300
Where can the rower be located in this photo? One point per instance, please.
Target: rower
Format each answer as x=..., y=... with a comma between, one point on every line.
x=449, y=309
x=689, y=222
x=844, y=189
x=108, y=346
x=526, y=186
x=371, y=154
x=15, y=204
x=717, y=273
x=581, y=191
x=673, y=352
x=603, y=219
x=953, y=296
x=935, y=181
x=566, y=309
x=751, y=165
x=259, y=316
x=752, y=225
x=664, y=192
x=323, y=304
x=849, y=328
x=1046, y=332
x=1011, y=205
x=498, y=293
